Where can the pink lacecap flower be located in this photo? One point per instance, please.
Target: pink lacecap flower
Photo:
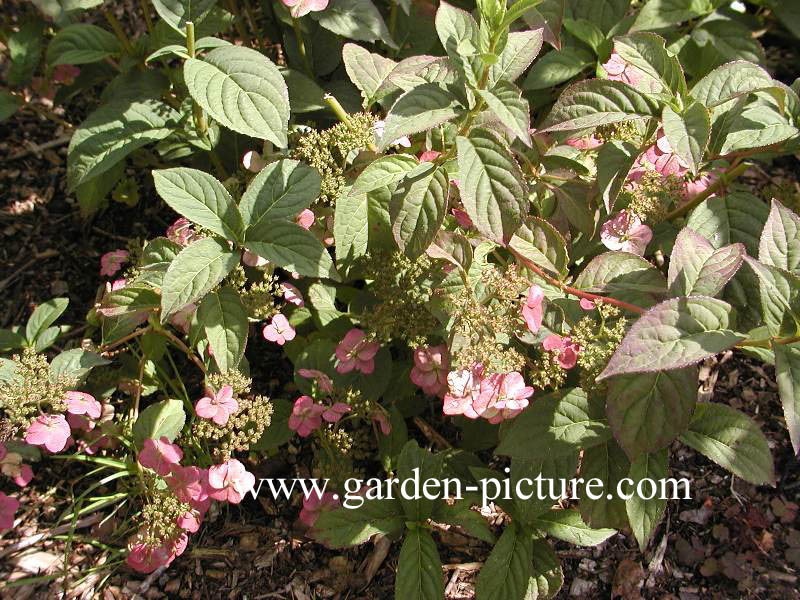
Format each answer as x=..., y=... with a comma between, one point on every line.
x=306, y=416
x=160, y=455
x=146, y=559
x=190, y=520
x=355, y=352
x=251, y=259
x=217, y=407
x=618, y=70
x=430, y=369
x=8, y=506
x=502, y=396
x=182, y=320
x=279, y=330
x=300, y=8
x=291, y=294
x=253, y=162
x=323, y=381
x=80, y=423
x=567, y=350
x=532, y=311
x=181, y=231
x=464, y=388
x=81, y=403
x=429, y=156
x=111, y=262
x=230, y=481
x=664, y=159
x=335, y=412
x=585, y=143
x=305, y=219
x=186, y=483
x=118, y=284
x=699, y=185
x=587, y=304
x=65, y=74
x=626, y=232
x=11, y=465
x=313, y=504
x=50, y=431
x=463, y=218
x=379, y=417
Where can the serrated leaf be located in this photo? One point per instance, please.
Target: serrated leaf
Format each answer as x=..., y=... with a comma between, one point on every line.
x=675, y=333
x=644, y=515
x=615, y=159
x=624, y=276
x=281, y=190
x=223, y=317
x=556, y=424
x=730, y=81
x=356, y=20
x=604, y=507
x=412, y=457
x=76, y=363
x=787, y=375
x=780, y=240
x=492, y=187
x=418, y=208
x=242, y=90
x=505, y=101
x=520, y=51
x=556, y=67
x=598, y=102
x=343, y=527
x=129, y=300
x=200, y=198
x=688, y=133
x=291, y=247
x=419, y=568
x=81, y=44
x=722, y=40
x=43, y=316
x=458, y=33
x=657, y=14
x=368, y=71
x=539, y=242
x=194, y=272
x=696, y=268
x=567, y=525
x=176, y=13
x=780, y=297
x=422, y=108
x=647, y=411
x=732, y=440
x=165, y=418
x=647, y=52
x=505, y=574
x=547, y=576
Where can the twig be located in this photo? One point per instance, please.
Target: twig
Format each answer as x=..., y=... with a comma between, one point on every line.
x=725, y=179
x=41, y=256
x=431, y=433
x=39, y=148
x=124, y=340
x=35, y=539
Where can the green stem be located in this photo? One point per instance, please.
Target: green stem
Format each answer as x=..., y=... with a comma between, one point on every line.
x=118, y=31
x=393, y=21
x=200, y=121
x=724, y=180
x=337, y=108
x=301, y=47
x=767, y=343
x=148, y=21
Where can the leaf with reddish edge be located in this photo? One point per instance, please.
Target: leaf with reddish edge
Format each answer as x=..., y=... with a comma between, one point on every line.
x=787, y=374
x=695, y=267
x=780, y=240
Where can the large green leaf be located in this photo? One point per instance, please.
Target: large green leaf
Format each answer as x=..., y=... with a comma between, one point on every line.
x=730, y=81
x=674, y=334
x=25, y=51
x=419, y=109
x=242, y=90
x=511, y=109
x=567, y=525
x=688, y=133
x=165, y=418
x=280, y=191
x=417, y=462
x=696, y=268
x=492, y=188
x=351, y=526
x=505, y=574
x=604, y=507
x=623, y=276
x=646, y=411
x=176, y=13
x=368, y=71
x=661, y=71
x=547, y=576
x=556, y=67
x=780, y=297
x=419, y=568
x=76, y=363
x=644, y=514
x=656, y=14
x=539, y=242
x=81, y=44
x=780, y=241
x=200, y=198
x=356, y=20
x=291, y=247
x=458, y=33
x=43, y=316
x=732, y=440
x=787, y=374
x=418, y=208
x=223, y=317
x=521, y=49
x=194, y=272
x=598, y=102
x=112, y=132
x=720, y=41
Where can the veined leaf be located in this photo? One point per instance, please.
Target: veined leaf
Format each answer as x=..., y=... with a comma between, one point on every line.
x=419, y=109
x=418, y=208
x=539, y=242
x=176, y=13
x=787, y=374
x=730, y=81
x=281, y=190
x=645, y=514
x=419, y=568
x=506, y=572
x=520, y=51
x=506, y=102
x=367, y=71
x=696, y=268
x=688, y=133
x=224, y=320
x=356, y=20
x=568, y=525
x=780, y=241
x=647, y=52
x=291, y=247
x=81, y=44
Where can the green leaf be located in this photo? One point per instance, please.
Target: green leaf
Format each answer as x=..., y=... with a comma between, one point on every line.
x=242, y=90
x=492, y=187
x=606, y=14
x=81, y=44
x=688, y=133
x=156, y=258
x=732, y=80
x=673, y=334
x=732, y=440
x=556, y=67
x=547, y=577
x=418, y=208
x=10, y=340
x=520, y=51
x=505, y=574
x=604, y=508
x=278, y=432
x=356, y=20
x=780, y=297
x=129, y=300
x=458, y=33
x=517, y=10
x=291, y=247
x=75, y=363
x=195, y=271
x=623, y=276
x=176, y=13
x=304, y=93
x=281, y=190
x=555, y=425
x=644, y=515
x=343, y=527
x=25, y=51
x=662, y=72
x=419, y=109
x=200, y=198
x=112, y=132
x=223, y=317
x=647, y=411
x=598, y=102
x=368, y=71
x=43, y=316
x=419, y=568
x=165, y=418
x=567, y=525
x=9, y=104
x=779, y=245
x=615, y=159
x=657, y=14
x=696, y=268
x=384, y=172
x=735, y=217
x=545, y=469
x=787, y=374
x=429, y=466
x=540, y=243
x=46, y=339
x=720, y=41
x=505, y=101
